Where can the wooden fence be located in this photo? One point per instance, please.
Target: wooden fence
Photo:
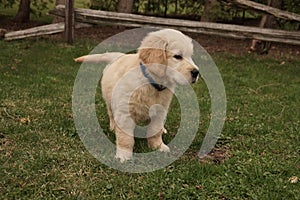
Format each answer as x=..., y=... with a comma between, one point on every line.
x=226, y=30
x=133, y=20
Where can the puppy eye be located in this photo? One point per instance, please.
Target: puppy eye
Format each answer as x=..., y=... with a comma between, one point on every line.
x=178, y=57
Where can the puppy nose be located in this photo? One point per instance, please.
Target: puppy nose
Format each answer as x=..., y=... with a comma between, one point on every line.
x=195, y=73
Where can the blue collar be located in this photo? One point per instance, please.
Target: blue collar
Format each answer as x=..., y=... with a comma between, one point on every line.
x=158, y=87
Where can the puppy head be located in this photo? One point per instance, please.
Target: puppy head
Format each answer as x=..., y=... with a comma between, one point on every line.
x=168, y=47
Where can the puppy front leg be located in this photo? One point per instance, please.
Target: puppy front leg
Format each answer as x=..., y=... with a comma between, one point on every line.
x=124, y=130
x=125, y=143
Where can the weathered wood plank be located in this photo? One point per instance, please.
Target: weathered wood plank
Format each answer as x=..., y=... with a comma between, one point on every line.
x=263, y=8
x=225, y=30
x=40, y=30
x=36, y=31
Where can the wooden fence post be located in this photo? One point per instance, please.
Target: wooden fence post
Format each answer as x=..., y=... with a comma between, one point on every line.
x=69, y=21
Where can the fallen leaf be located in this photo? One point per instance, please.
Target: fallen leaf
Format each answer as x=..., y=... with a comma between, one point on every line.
x=198, y=187
x=25, y=120
x=161, y=195
x=262, y=153
x=293, y=179
x=109, y=186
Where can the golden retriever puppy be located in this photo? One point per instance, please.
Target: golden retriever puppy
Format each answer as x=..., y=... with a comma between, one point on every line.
x=139, y=87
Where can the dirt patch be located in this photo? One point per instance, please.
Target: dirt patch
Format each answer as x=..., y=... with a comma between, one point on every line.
x=11, y=25
x=218, y=155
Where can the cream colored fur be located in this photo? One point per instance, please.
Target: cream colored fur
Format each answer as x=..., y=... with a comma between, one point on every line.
x=129, y=96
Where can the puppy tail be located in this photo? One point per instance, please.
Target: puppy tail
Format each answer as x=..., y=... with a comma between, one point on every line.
x=96, y=58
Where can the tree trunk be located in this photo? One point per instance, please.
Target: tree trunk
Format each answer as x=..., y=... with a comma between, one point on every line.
x=23, y=14
x=57, y=19
x=208, y=14
x=166, y=2
x=267, y=21
x=125, y=6
x=271, y=20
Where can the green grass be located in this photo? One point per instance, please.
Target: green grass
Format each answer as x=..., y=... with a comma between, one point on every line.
x=42, y=156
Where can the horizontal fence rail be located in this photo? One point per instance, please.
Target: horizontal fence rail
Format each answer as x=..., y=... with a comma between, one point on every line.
x=226, y=30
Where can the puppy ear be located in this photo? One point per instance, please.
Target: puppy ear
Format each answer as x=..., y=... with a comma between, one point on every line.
x=153, y=54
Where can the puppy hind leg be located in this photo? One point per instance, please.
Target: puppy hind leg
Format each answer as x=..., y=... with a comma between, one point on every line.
x=156, y=142
x=164, y=130
x=156, y=128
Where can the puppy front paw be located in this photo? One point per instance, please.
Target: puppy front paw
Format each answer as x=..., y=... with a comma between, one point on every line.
x=123, y=155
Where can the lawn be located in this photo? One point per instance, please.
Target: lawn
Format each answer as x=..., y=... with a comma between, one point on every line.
x=42, y=157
